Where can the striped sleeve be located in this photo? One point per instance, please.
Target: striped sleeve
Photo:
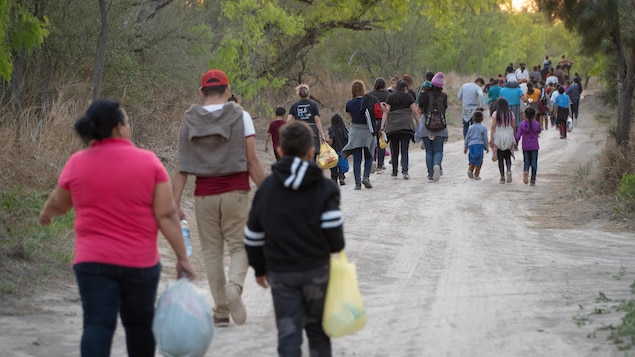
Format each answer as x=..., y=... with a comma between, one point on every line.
x=331, y=219
x=254, y=239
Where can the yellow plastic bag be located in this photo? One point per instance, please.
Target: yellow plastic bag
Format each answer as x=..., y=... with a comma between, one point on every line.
x=383, y=140
x=344, y=312
x=327, y=158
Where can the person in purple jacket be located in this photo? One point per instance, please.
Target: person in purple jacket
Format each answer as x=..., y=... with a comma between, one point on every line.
x=528, y=130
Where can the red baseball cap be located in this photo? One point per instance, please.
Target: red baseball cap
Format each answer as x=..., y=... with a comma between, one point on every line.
x=214, y=78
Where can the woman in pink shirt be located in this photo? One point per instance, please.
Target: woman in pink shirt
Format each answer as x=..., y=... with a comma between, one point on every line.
x=122, y=197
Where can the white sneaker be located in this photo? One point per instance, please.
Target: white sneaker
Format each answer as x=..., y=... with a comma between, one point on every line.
x=373, y=167
x=236, y=306
x=379, y=171
x=509, y=176
x=436, y=174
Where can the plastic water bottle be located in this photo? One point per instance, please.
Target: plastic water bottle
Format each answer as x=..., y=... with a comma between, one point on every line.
x=185, y=228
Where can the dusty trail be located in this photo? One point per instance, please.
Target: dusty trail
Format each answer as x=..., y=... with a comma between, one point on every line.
x=454, y=268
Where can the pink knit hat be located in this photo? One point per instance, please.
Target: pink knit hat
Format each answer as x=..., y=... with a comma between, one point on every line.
x=437, y=80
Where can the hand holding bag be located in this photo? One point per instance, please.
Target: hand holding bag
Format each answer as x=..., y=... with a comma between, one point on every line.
x=327, y=158
x=344, y=312
x=182, y=324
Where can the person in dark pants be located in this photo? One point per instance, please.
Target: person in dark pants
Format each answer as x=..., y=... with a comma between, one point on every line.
x=295, y=223
x=116, y=262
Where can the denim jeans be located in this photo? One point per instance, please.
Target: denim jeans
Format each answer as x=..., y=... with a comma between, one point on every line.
x=298, y=300
x=399, y=143
x=575, y=108
x=380, y=154
x=531, y=160
x=357, y=164
x=434, y=153
x=466, y=126
x=107, y=290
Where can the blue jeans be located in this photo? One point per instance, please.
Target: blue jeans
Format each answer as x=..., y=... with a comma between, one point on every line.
x=531, y=160
x=575, y=108
x=357, y=164
x=380, y=154
x=399, y=143
x=107, y=290
x=434, y=153
x=298, y=300
x=466, y=125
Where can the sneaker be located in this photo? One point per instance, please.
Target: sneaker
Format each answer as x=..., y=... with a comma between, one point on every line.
x=470, y=174
x=236, y=306
x=502, y=180
x=525, y=177
x=430, y=180
x=366, y=182
x=477, y=177
x=406, y=177
x=221, y=321
x=342, y=182
x=383, y=167
x=358, y=186
x=435, y=176
x=393, y=176
x=373, y=167
x=440, y=172
x=532, y=183
x=379, y=171
x=509, y=176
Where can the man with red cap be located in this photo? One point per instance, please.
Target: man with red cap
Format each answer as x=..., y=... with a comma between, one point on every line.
x=217, y=145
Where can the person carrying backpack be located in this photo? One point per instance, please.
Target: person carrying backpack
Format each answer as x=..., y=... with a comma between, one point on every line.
x=432, y=128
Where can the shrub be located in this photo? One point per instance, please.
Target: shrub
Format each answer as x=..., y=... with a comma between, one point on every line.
x=626, y=196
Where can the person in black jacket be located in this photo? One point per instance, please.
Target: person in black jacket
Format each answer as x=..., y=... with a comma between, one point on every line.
x=295, y=223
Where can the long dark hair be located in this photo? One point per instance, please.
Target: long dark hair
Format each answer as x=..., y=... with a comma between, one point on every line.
x=503, y=113
x=100, y=118
x=399, y=92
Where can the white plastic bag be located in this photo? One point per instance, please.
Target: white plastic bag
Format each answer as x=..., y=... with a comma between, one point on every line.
x=183, y=324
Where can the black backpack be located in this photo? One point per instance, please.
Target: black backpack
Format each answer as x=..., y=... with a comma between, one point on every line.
x=435, y=119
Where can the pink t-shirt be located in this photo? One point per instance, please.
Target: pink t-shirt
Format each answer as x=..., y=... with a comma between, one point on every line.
x=112, y=186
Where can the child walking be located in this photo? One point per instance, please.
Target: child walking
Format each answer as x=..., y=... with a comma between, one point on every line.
x=528, y=130
x=289, y=242
x=338, y=138
x=475, y=142
x=502, y=138
x=273, y=132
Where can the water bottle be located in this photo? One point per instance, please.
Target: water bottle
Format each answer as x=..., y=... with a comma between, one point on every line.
x=185, y=228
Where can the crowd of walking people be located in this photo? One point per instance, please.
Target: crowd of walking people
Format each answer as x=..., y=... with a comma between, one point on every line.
x=403, y=114
x=116, y=245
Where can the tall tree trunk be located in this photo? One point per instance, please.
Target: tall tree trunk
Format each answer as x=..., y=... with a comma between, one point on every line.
x=16, y=86
x=625, y=68
x=101, y=49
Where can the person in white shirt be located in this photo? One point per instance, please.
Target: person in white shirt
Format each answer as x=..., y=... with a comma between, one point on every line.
x=522, y=73
x=473, y=99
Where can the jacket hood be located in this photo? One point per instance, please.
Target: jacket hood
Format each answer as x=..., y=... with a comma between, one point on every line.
x=511, y=84
x=295, y=173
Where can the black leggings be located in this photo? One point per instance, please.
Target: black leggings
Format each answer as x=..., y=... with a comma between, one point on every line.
x=504, y=158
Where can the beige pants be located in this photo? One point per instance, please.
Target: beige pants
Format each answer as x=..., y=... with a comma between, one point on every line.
x=221, y=219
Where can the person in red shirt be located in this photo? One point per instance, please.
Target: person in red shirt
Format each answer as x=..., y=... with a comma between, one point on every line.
x=122, y=196
x=273, y=132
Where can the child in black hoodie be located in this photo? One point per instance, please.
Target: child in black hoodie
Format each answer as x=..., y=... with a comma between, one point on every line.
x=295, y=223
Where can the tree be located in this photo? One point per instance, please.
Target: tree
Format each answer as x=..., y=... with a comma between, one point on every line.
x=604, y=26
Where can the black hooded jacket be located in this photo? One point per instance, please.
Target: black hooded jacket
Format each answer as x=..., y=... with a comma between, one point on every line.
x=295, y=220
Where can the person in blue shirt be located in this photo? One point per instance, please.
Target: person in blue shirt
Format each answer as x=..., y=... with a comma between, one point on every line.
x=563, y=104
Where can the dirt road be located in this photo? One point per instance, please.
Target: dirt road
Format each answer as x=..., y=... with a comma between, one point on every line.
x=454, y=268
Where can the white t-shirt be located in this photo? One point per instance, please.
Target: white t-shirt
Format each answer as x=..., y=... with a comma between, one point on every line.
x=250, y=130
x=551, y=79
x=520, y=74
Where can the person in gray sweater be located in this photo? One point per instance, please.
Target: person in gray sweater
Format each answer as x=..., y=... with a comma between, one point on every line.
x=217, y=146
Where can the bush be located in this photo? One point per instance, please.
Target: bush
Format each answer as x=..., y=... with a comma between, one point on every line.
x=626, y=196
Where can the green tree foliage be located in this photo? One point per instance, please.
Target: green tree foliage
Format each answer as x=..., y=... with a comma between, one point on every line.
x=20, y=30
x=609, y=27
